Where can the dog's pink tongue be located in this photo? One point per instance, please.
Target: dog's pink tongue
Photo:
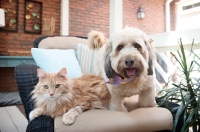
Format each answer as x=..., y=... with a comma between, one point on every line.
x=130, y=72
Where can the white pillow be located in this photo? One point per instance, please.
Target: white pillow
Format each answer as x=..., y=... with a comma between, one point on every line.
x=53, y=60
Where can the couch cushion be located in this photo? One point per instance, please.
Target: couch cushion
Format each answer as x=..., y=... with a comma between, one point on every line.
x=85, y=57
x=53, y=60
x=61, y=42
x=140, y=120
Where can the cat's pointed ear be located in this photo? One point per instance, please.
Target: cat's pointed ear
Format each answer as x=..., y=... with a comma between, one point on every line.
x=62, y=72
x=41, y=73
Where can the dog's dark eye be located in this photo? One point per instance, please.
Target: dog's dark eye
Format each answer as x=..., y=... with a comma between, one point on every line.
x=57, y=86
x=137, y=46
x=120, y=47
x=46, y=86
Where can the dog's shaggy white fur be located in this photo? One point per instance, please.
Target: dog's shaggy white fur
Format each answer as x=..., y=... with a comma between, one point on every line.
x=128, y=57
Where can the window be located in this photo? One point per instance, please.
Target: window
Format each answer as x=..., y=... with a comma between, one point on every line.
x=188, y=16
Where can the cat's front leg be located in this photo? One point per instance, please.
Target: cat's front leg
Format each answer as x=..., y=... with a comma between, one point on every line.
x=70, y=116
x=35, y=113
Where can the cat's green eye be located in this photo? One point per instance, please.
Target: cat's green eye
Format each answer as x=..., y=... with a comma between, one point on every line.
x=46, y=86
x=57, y=86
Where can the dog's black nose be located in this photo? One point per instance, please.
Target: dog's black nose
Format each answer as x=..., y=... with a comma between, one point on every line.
x=129, y=62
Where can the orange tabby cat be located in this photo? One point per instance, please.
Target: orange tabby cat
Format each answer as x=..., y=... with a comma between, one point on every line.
x=56, y=94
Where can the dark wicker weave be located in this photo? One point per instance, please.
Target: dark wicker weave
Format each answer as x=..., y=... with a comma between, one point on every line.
x=41, y=124
x=26, y=77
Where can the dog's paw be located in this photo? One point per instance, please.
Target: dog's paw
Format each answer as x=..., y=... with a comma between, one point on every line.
x=117, y=106
x=143, y=104
x=69, y=118
x=124, y=109
x=35, y=113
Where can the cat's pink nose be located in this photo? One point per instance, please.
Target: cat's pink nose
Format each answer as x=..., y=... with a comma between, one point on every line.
x=51, y=94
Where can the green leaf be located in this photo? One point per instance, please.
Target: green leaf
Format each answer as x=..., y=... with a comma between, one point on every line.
x=178, y=113
x=191, y=67
x=186, y=92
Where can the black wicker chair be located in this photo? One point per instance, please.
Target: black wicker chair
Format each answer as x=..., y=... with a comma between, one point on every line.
x=26, y=77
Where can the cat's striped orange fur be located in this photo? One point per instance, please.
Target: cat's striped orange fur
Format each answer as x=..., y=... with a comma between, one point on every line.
x=56, y=94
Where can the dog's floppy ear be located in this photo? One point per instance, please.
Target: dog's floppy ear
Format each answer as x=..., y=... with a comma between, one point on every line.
x=110, y=73
x=150, y=67
x=151, y=57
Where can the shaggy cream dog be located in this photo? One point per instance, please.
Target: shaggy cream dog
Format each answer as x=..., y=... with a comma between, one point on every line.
x=125, y=61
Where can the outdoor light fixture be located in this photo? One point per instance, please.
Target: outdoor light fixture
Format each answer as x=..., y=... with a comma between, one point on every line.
x=2, y=18
x=140, y=13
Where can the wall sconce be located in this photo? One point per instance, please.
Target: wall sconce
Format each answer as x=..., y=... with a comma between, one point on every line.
x=2, y=18
x=140, y=13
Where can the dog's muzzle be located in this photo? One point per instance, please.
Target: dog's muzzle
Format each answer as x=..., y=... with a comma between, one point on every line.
x=129, y=62
x=129, y=71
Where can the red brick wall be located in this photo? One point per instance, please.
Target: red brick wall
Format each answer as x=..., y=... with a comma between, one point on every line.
x=19, y=43
x=92, y=14
x=7, y=81
x=11, y=43
x=85, y=15
x=154, y=21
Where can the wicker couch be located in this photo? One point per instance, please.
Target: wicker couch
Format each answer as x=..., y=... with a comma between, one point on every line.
x=137, y=119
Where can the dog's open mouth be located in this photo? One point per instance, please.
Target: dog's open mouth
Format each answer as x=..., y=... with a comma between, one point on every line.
x=130, y=72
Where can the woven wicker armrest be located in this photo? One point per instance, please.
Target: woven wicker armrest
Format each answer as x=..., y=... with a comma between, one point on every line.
x=26, y=77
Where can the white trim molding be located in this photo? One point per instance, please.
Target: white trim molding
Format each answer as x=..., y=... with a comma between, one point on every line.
x=116, y=15
x=189, y=18
x=2, y=18
x=64, y=24
x=167, y=15
x=170, y=40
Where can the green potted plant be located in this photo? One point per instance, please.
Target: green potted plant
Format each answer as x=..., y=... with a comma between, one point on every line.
x=185, y=92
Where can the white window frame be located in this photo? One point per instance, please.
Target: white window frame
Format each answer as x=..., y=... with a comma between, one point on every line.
x=181, y=12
